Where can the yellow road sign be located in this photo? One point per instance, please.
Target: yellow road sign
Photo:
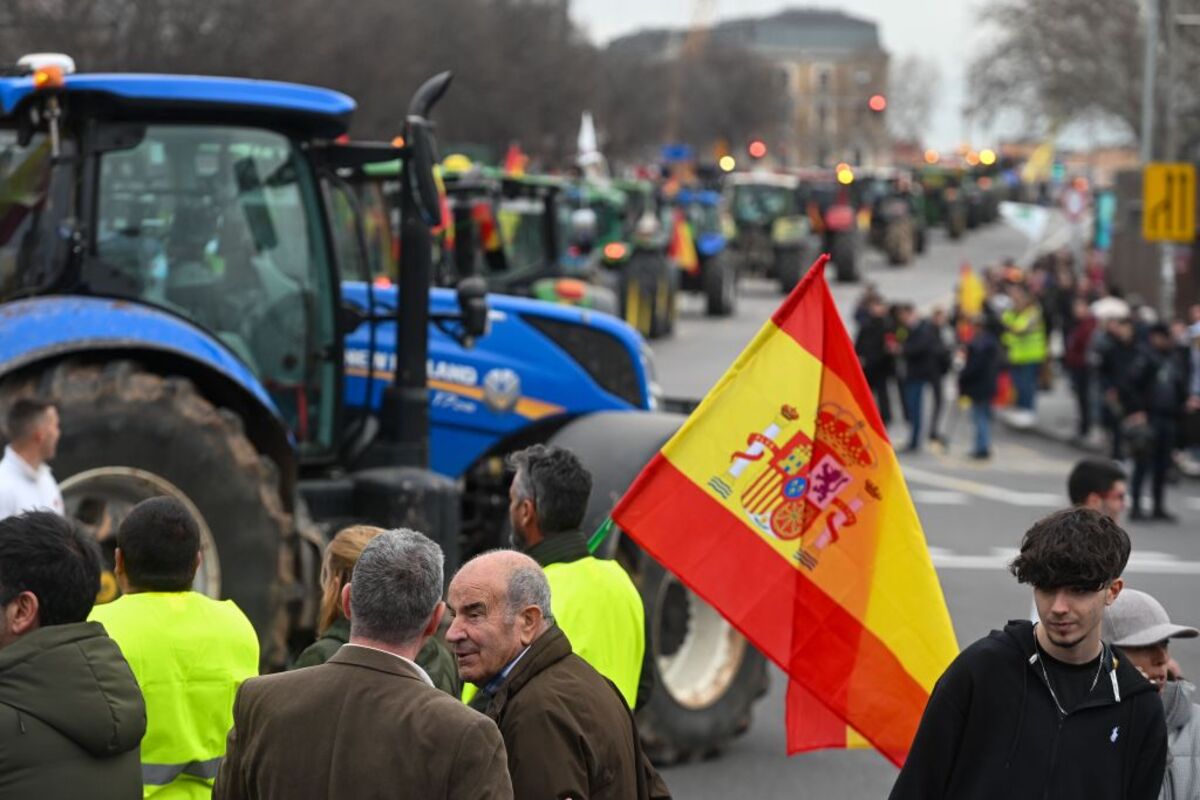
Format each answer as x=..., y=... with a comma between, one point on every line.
x=1169, y=202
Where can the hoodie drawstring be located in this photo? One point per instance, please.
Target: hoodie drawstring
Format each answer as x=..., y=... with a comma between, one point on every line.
x=1012, y=750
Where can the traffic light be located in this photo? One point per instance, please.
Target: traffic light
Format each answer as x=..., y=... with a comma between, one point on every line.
x=877, y=103
x=757, y=148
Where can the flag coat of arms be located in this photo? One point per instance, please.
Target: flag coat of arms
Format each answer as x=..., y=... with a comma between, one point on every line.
x=781, y=503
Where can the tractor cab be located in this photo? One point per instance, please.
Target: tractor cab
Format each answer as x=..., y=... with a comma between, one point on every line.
x=206, y=202
x=774, y=237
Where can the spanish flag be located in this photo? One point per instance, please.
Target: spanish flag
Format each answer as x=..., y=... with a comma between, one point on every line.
x=681, y=247
x=780, y=502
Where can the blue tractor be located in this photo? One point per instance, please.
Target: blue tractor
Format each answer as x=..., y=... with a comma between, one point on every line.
x=184, y=270
x=714, y=275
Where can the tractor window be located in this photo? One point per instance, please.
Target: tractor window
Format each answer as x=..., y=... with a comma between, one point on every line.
x=221, y=225
x=24, y=190
x=759, y=205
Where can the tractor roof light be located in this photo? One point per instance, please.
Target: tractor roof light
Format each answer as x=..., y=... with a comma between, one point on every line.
x=615, y=251
x=35, y=62
x=49, y=77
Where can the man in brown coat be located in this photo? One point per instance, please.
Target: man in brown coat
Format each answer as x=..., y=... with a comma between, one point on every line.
x=568, y=731
x=367, y=723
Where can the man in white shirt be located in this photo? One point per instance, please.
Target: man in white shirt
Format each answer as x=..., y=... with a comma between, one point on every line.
x=26, y=482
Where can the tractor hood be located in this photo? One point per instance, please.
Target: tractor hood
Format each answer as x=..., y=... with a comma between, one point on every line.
x=540, y=364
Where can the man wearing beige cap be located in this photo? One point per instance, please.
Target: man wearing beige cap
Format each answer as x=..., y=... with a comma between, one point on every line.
x=1139, y=625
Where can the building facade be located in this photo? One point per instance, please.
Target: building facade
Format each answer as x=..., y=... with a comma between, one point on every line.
x=831, y=65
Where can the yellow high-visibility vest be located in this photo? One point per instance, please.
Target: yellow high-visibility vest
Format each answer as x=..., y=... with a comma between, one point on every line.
x=1024, y=336
x=189, y=654
x=596, y=604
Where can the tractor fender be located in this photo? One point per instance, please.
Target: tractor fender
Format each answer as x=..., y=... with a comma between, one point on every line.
x=614, y=446
x=37, y=332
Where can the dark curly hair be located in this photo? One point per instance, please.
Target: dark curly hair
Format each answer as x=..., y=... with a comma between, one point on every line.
x=1077, y=548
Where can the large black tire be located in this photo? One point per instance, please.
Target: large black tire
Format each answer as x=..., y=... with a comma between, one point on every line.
x=898, y=242
x=666, y=294
x=128, y=433
x=845, y=259
x=789, y=267
x=614, y=446
x=720, y=286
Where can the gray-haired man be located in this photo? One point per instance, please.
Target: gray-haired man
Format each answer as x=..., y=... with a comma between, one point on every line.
x=368, y=722
x=546, y=700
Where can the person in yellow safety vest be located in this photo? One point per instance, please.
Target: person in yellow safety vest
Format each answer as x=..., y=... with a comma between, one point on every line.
x=593, y=600
x=1025, y=343
x=189, y=653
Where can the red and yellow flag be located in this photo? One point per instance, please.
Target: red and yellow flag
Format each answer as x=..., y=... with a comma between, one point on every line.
x=681, y=248
x=781, y=503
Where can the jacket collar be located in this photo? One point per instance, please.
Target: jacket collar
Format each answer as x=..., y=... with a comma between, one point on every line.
x=559, y=548
x=1119, y=678
x=378, y=660
x=547, y=650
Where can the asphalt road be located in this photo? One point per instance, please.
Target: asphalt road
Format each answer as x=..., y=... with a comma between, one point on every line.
x=973, y=516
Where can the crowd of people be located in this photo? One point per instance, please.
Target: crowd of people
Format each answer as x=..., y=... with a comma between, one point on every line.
x=1135, y=378
x=519, y=679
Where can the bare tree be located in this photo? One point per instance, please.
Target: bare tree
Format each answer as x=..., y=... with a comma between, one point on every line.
x=914, y=83
x=1056, y=61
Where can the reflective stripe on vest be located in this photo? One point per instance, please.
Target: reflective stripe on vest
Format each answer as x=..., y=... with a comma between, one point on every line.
x=158, y=774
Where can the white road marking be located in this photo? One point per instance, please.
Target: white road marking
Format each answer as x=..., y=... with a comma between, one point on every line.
x=984, y=491
x=934, y=497
x=1147, y=562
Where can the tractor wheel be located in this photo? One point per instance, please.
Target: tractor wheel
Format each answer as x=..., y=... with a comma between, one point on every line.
x=665, y=293
x=720, y=287
x=129, y=435
x=844, y=259
x=898, y=243
x=704, y=676
x=789, y=267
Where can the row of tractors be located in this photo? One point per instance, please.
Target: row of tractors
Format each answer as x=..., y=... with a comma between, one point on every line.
x=628, y=247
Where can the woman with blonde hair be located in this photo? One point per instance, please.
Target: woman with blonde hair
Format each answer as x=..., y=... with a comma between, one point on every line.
x=336, y=568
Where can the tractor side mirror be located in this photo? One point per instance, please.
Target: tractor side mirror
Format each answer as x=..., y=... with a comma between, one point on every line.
x=473, y=306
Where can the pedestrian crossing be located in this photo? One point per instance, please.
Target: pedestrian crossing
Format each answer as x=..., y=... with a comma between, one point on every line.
x=958, y=491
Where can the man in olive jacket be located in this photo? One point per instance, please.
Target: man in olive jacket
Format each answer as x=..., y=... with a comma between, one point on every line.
x=71, y=713
x=367, y=723
x=567, y=729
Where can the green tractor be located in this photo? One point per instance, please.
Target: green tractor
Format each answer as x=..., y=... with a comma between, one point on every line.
x=897, y=207
x=946, y=204
x=773, y=236
x=624, y=230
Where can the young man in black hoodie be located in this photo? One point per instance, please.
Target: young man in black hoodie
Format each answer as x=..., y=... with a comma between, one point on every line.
x=1046, y=710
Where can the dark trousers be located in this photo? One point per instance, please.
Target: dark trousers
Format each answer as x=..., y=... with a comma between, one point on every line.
x=1025, y=378
x=1081, y=385
x=1155, y=460
x=912, y=391
x=938, y=385
x=883, y=398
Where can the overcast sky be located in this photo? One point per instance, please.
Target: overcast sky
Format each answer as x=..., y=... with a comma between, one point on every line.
x=939, y=29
